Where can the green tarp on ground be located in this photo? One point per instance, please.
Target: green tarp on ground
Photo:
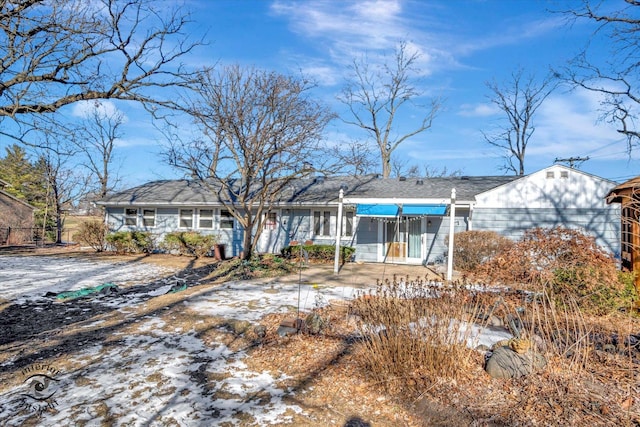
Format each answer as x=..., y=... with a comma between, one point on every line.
x=105, y=287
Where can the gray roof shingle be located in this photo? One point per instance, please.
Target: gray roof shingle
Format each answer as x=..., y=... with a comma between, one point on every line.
x=314, y=190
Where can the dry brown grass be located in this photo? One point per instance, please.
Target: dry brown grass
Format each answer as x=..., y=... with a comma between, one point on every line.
x=414, y=332
x=332, y=377
x=415, y=349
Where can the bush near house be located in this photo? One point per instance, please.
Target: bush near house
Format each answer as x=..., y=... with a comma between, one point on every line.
x=472, y=248
x=132, y=242
x=566, y=263
x=320, y=253
x=189, y=243
x=93, y=234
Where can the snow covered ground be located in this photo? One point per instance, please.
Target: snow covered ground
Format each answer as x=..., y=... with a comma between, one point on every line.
x=157, y=375
x=147, y=379
x=29, y=277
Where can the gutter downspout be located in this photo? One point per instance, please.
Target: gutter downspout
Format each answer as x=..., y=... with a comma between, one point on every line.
x=336, y=261
x=452, y=218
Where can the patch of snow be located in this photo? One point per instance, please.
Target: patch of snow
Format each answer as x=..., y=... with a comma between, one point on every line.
x=30, y=277
x=160, y=380
x=246, y=301
x=157, y=377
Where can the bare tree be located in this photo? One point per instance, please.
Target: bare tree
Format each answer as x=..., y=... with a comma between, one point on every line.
x=95, y=138
x=64, y=181
x=618, y=77
x=401, y=168
x=519, y=100
x=433, y=172
x=55, y=53
x=375, y=96
x=259, y=131
x=354, y=158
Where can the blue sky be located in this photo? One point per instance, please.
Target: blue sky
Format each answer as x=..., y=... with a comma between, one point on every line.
x=463, y=44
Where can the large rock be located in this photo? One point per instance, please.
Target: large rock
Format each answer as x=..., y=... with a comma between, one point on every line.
x=314, y=323
x=506, y=363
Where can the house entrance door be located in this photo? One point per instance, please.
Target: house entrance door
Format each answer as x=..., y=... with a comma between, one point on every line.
x=268, y=237
x=395, y=246
x=403, y=240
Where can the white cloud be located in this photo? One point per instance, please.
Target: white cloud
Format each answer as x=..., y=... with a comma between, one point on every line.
x=324, y=75
x=569, y=125
x=84, y=109
x=508, y=34
x=478, y=110
x=364, y=24
x=350, y=29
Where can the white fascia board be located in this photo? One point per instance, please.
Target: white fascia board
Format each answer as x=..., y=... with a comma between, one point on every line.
x=157, y=205
x=406, y=201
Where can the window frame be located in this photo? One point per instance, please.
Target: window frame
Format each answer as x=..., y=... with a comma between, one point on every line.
x=225, y=217
x=145, y=217
x=322, y=223
x=127, y=217
x=181, y=218
x=205, y=218
x=347, y=224
x=270, y=221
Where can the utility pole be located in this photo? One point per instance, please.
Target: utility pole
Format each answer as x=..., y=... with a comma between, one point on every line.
x=572, y=161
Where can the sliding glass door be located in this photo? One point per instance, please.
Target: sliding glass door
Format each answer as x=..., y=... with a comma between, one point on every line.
x=403, y=240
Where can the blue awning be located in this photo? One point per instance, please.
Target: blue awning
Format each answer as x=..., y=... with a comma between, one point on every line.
x=392, y=211
x=377, y=210
x=424, y=209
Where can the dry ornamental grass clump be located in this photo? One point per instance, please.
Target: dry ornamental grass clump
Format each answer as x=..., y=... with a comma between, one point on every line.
x=414, y=332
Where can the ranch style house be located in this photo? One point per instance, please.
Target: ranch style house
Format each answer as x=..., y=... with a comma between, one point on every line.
x=398, y=220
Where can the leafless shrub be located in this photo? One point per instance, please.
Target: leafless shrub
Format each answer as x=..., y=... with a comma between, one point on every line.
x=92, y=233
x=472, y=248
x=565, y=263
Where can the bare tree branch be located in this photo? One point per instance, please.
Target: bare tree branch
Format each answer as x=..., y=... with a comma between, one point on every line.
x=617, y=77
x=55, y=53
x=375, y=97
x=353, y=157
x=519, y=100
x=95, y=137
x=258, y=131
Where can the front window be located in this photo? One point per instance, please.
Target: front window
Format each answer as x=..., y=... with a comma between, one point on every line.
x=348, y=224
x=131, y=216
x=206, y=218
x=226, y=220
x=322, y=223
x=186, y=218
x=149, y=217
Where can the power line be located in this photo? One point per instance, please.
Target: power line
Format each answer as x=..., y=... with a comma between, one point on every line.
x=572, y=160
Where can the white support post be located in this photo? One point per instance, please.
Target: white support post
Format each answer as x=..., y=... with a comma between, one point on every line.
x=452, y=220
x=336, y=262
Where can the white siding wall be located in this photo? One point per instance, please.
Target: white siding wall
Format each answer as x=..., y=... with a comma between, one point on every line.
x=547, y=199
x=536, y=191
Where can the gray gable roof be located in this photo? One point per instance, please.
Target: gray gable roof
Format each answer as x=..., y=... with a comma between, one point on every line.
x=165, y=192
x=313, y=190
x=410, y=188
